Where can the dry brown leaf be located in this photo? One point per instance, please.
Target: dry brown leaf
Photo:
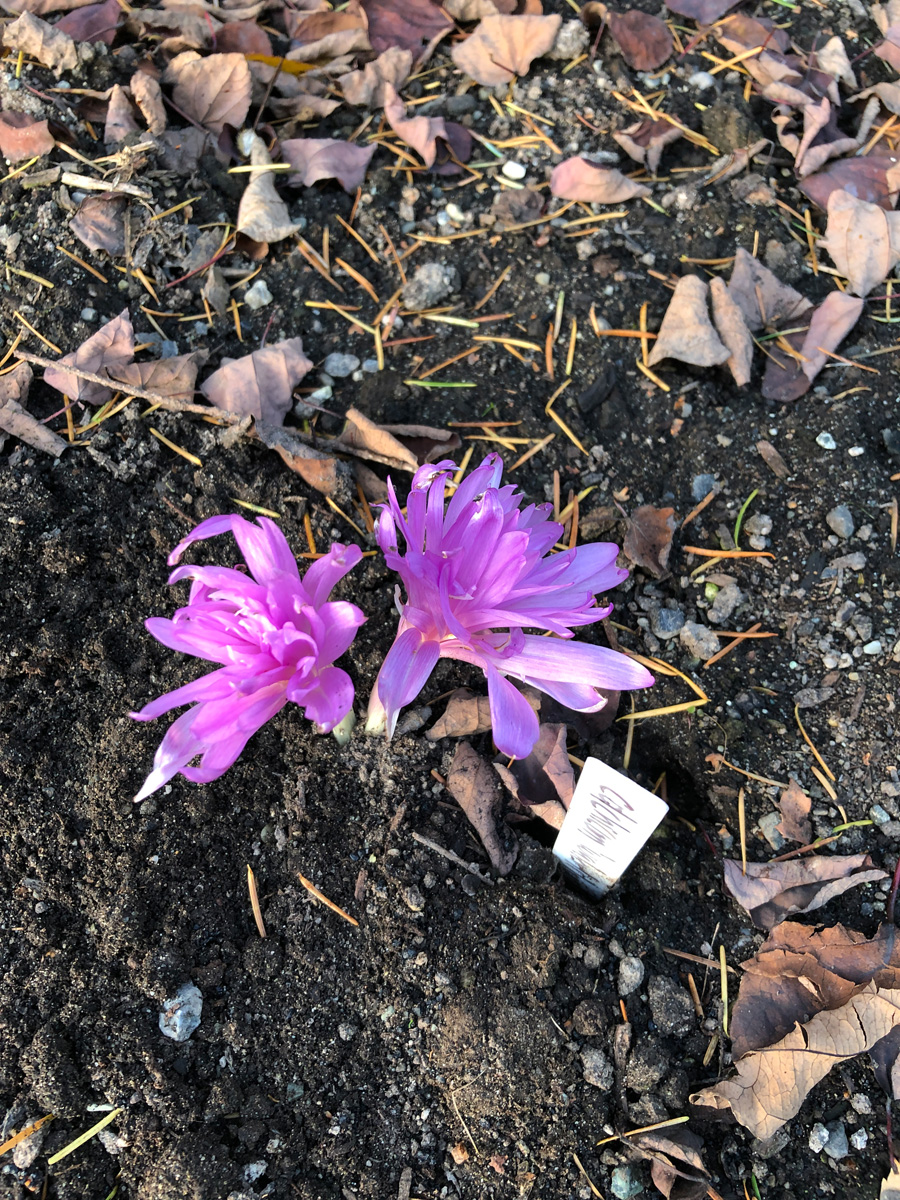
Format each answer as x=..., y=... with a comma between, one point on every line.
x=795, y=806
x=890, y=1187
x=887, y=18
x=784, y=379
x=677, y=1169
x=427, y=443
x=645, y=40
x=412, y=25
x=773, y=891
x=829, y=324
x=821, y=140
x=516, y=207
x=327, y=158
x=215, y=290
x=93, y=22
x=874, y=178
x=330, y=35
x=99, y=222
x=259, y=384
x=430, y=137
x=175, y=377
x=119, y=117
x=732, y=329
x=23, y=137
x=544, y=782
x=366, y=87
x=465, y=715
x=476, y=789
x=16, y=420
x=317, y=469
x=503, y=47
x=176, y=30
x=645, y=141
x=648, y=540
x=214, y=91
x=41, y=41
x=834, y=60
x=704, y=12
x=40, y=7
x=580, y=179
x=862, y=240
x=365, y=439
x=686, y=332
x=181, y=150
x=243, y=37
x=771, y=1084
x=104, y=353
x=262, y=214
x=470, y=10
x=148, y=96
x=762, y=297
x=773, y=460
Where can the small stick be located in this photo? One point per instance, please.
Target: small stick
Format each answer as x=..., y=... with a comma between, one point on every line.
x=727, y=553
x=314, y=891
x=695, y=996
x=695, y=512
x=254, y=901
x=82, y=263
x=752, y=632
x=742, y=827
x=450, y=856
x=723, y=967
x=818, y=757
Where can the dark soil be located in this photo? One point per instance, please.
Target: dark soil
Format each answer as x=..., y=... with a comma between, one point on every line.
x=440, y=1048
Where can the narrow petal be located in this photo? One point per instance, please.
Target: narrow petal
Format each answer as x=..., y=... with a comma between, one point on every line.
x=405, y=671
x=576, y=662
x=211, y=527
x=175, y=751
x=578, y=696
x=264, y=548
x=221, y=720
x=341, y=621
x=514, y=723
x=328, y=699
x=217, y=685
x=325, y=572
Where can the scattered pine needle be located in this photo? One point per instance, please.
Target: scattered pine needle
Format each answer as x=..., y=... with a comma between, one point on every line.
x=24, y=1133
x=587, y=1177
x=719, y=760
x=192, y=458
x=723, y=968
x=651, y=375
x=695, y=512
x=360, y=279
x=308, y=529
x=39, y=336
x=752, y=632
x=570, y=355
x=742, y=827
x=340, y=512
x=362, y=241
x=263, y=512
x=818, y=757
x=645, y=1129
x=535, y=449
x=495, y=286
x=254, y=901
x=567, y=431
x=727, y=553
x=85, y=1137
x=824, y=782
x=314, y=891
x=82, y=263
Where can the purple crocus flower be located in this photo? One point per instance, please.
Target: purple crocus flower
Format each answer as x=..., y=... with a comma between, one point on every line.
x=476, y=576
x=275, y=635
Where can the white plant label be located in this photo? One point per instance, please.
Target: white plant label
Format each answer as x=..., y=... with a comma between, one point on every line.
x=607, y=824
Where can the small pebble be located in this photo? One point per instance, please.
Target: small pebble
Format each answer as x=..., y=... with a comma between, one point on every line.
x=859, y=1140
x=542, y=279
x=699, y=640
x=181, y=1015
x=414, y=899
x=856, y=451
x=370, y=365
x=339, y=366
x=667, y=623
x=257, y=296
x=89, y=314
x=513, y=170
x=702, y=81
x=623, y=1184
x=455, y=213
x=826, y=441
x=347, y=1032
x=837, y=1146
x=598, y=1070
x=701, y=486
x=818, y=1138
x=879, y=815
x=872, y=648
x=860, y=1103
x=631, y=974
x=840, y=521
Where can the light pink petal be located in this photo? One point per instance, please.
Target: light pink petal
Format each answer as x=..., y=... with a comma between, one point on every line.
x=325, y=572
x=327, y=698
x=405, y=672
x=514, y=723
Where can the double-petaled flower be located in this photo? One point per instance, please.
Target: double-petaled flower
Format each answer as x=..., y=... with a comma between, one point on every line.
x=276, y=635
x=477, y=575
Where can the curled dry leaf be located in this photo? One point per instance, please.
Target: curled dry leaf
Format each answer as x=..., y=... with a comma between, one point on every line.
x=580, y=179
x=430, y=137
x=427, y=443
x=213, y=91
x=39, y=7
x=465, y=715
x=821, y=139
x=686, y=332
x=365, y=439
x=773, y=460
x=890, y=1187
x=773, y=891
x=516, y=207
x=176, y=29
x=874, y=178
x=645, y=40
x=259, y=384
x=784, y=379
x=41, y=41
x=830, y=323
x=887, y=18
x=16, y=420
x=795, y=806
x=863, y=241
x=648, y=540
x=243, y=37
x=470, y=10
x=761, y=296
x=732, y=329
x=367, y=87
x=503, y=47
x=645, y=141
x=330, y=35
x=476, y=789
x=147, y=95
x=23, y=137
x=833, y=59
x=677, y=1168
x=105, y=352
x=99, y=223
x=215, y=290
x=119, y=117
x=175, y=377
x=262, y=214
x=544, y=782
x=317, y=469
x=412, y=25
x=704, y=12
x=93, y=22
x=327, y=158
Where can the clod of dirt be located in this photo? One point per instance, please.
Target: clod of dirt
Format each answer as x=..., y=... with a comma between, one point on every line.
x=429, y=285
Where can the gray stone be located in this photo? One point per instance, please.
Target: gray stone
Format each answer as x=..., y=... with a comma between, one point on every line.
x=429, y=285
x=698, y=640
x=457, y=106
x=859, y=1140
x=572, y=40
x=594, y=957
x=726, y=601
x=339, y=366
x=598, y=1070
x=257, y=296
x=837, y=1146
x=89, y=314
x=879, y=815
x=667, y=622
x=347, y=1032
x=702, y=81
x=631, y=974
x=623, y=1183
x=840, y=521
x=872, y=648
x=414, y=898
x=818, y=1138
x=826, y=441
x=181, y=1015
x=647, y=1066
x=513, y=170
x=671, y=1006
x=768, y=828
x=701, y=486
x=769, y=1147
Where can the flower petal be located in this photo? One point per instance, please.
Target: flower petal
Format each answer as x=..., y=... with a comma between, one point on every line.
x=325, y=572
x=175, y=751
x=217, y=685
x=514, y=723
x=327, y=699
x=404, y=672
x=576, y=662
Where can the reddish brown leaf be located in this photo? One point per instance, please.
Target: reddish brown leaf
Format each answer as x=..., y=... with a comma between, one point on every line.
x=93, y=22
x=410, y=26
x=874, y=178
x=16, y=420
x=326, y=158
x=829, y=324
x=784, y=379
x=465, y=715
x=425, y=442
x=544, y=782
x=503, y=47
x=40, y=7
x=259, y=384
x=367, y=87
x=677, y=1169
x=314, y=467
x=580, y=179
x=763, y=299
x=686, y=332
x=330, y=35
x=476, y=789
x=175, y=377
x=23, y=137
x=105, y=352
x=243, y=37
x=862, y=239
x=516, y=207
x=148, y=96
x=430, y=137
x=795, y=806
x=100, y=222
x=821, y=139
x=365, y=439
x=648, y=540
x=213, y=91
x=773, y=891
x=645, y=141
x=704, y=12
x=41, y=41
x=119, y=117
x=645, y=40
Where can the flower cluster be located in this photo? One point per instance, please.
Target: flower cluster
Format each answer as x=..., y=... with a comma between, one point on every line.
x=477, y=574
x=275, y=635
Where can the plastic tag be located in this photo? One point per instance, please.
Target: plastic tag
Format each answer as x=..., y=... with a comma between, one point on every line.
x=608, y=822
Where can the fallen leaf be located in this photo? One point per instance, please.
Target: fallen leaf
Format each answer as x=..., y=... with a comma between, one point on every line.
x=23, y=137
x=874, y=178
x=862, y=239
x=39, y=7
x=503, y=47
x=677, y=1169
x=175, y=377
x=465, y=715
x=784, y=379
x=93, y=22
x=330, y=35
x=704, y=12
x=176, y=30
x=829, y=324
x=327, y=158
x=516, y=207
x=148, y=96
x=99, y=222
x=215, y=290
x=41, y=41
x=425, y=133
x=821, y=139
x=771, y=1084
x=645, y=141
x=761, y=296
x=243, y=37
x=365, y=439
x=304, y=107
x=410, y=26
x=887, y=18
x=119, y=117
x=365, y=88
x=795, y=806
x=732, y=329
x=262, y=214
x=213, y=91
x=459, y=1153
x=316, y=468
x=890, y=1187
x=773, y=460
x=645, y=40
x=686, y=332
x=104, y=353
x=580, y=179
x=260, y=383
x=498, y=1163
x=470, y=10
x=773, y=891
x=16, y=420
x=648, y=539
x=544, y=782
x=476, y=789
x=833, y=59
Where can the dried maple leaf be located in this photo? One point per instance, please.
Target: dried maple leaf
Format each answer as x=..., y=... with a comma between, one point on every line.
x=544, y=782
x=16, y=420
x=890, y=1187
x=148, y=96
x=327, y=158
x=23, y=137
x=262, y=214
x=821, y=140
x=465, y=715
x=704, y=12
x=365, y=439
x=476, y=789
x=213, y=91
x=104, y=353
x=93, y=22
x=99, y=222
x=874, y=178
x=773, y=891
x=175, y=377
x=862, y=240
x=829, y=324
x=645, y=40
x=503, y=47
x=366, y=87
x=732, y=329
x=795, y=806
x=686, y=332
x=41, y=41
x=762, y=297
x=645, y=141
x=411, y=26
x=430, y=137
x=259, y=384
x=316, y=468
x=580, y=179
x=119, y=117
x=648, y=540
